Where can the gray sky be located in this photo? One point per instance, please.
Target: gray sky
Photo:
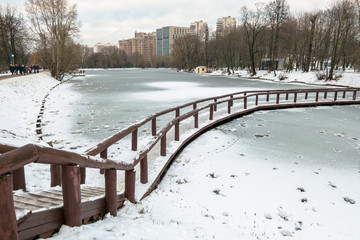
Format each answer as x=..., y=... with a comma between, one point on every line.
x=108, y=21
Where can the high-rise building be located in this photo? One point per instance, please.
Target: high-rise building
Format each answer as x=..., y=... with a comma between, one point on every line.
x=143, y=44
x=225, y=25
x=200, y=29
x=166, y=36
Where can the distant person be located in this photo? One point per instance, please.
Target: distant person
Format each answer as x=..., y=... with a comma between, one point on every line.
x=16, y=69
x=12, y=69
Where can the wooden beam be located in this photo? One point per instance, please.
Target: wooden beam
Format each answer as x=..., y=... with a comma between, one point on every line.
x=71, y=195
x=130, y=185
x=19, y=179
x=110, y=192
x=8, y=223
x=55, y=172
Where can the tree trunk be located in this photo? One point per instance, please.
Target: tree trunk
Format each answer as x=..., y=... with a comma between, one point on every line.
x=312, y=31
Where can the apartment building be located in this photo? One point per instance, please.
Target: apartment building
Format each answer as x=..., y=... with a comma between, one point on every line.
x=166, y=36
x=199, y=28
x=225, y=25
x=143, y=44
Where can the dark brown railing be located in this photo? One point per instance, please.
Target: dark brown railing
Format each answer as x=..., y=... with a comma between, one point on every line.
x=216, y=110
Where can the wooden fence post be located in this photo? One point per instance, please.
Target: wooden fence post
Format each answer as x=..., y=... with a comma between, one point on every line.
x=317, y=96
x=268, y=96
x=144, y=170
x=196, y=120
x=215, y=106
x=8, y=222
x=257, y=100
x=103, y=154
x=295, y=97
x=110, y=192
x=335, y=95
x=277, y=98
x=229, y=107
x=245, y=102
x=196, y=116
x=177, y=131
x=211, y=114
x=354, y=95
x=134, y=137
x=163, y=146
x=231, y=100
x=130, y=185
x=55, y=171
x=82, y=175
x=71, y=195
x=19, y=179
x=177, y=125
x=153, y=126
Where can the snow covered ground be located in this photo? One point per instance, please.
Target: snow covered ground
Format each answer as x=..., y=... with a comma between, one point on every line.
x=349, y=77
x=243, y=180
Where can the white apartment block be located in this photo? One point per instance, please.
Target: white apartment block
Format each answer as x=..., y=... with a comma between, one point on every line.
x=225, y=25
x=199, y=28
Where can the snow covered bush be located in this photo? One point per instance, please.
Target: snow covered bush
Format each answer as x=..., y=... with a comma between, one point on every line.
x=338, y=76
x=282, y=76
x=320, y=75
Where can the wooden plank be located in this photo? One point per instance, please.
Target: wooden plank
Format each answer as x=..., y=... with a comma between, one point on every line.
x=47, y=198
x=55, y=194
x=35, y=197
x=29, y=206
x=34, y=202
x=42, y=217
x=44, y=228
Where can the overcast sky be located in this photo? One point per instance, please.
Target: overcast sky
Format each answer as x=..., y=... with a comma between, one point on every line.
x=108, y=21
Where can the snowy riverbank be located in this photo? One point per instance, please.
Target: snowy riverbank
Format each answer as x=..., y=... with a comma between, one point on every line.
x=243, y=180
x=348, y=78
x=20, y=102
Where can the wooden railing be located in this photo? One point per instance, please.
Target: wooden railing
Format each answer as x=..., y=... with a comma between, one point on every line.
x=216, y=110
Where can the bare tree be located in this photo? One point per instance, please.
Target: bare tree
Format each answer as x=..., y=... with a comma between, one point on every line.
x=187, y=52
x=13, y=37
x=254, y=22
x=313, y=18
x=227, y=45
x=341, y=12
x=278, y=12
x=55, y=27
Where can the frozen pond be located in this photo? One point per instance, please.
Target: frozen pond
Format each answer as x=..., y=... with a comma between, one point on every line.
x=322, y=136
x=105, y=101
x=97, y=106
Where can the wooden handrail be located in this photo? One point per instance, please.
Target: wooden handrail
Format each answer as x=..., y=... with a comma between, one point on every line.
x=126, y=131
x=19, y=157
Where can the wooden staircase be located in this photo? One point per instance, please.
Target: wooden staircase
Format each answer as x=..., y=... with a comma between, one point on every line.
x=42, y=212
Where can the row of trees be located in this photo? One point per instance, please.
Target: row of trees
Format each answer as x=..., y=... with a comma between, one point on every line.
x=326, y=39
x=321, y=40
x=113, y=57
x=51, y=41
x=13, y=38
